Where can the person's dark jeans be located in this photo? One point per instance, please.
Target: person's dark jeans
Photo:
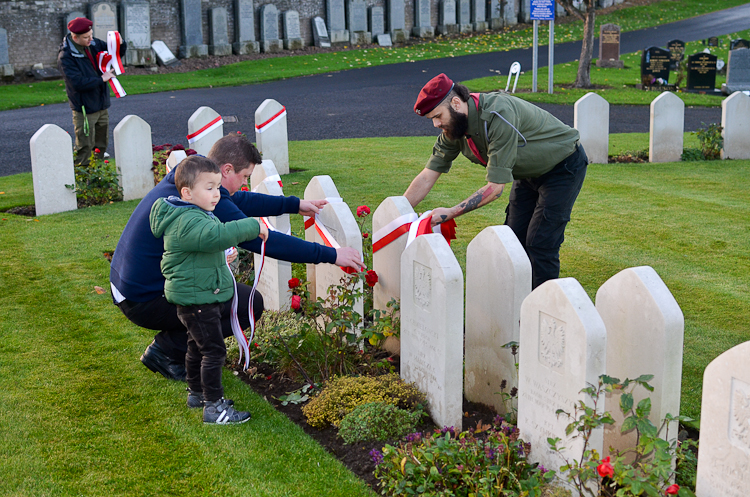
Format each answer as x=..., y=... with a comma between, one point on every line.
x=539, y=209
x=158, y=314
x=206, y=351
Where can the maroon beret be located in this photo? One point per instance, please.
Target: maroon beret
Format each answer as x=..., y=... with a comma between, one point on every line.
x=432, y=94
x=80, y=25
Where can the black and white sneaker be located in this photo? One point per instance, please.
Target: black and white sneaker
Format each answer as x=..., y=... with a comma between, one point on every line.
x=195, y=399
x=221, y=412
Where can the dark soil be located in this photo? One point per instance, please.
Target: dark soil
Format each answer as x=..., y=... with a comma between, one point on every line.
x=24, y=210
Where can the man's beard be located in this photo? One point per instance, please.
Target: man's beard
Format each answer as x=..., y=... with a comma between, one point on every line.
x=458, y=125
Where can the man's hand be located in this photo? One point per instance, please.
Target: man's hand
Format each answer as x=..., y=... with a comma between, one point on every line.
x=107, y=76
x=311, y=207
x=441, y=215
x=263, y=235
x=349, y=257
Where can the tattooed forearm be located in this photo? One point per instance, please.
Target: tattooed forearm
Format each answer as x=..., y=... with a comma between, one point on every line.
x=479, y=198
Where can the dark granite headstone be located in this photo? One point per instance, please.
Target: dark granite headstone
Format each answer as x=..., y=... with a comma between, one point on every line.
x=4, y=57
x=377, y=21
x=104, y=17
x=701, y=71
x=320, y=33
x=713, y=41
x=192, y=30
x=676, y=52
x=609, y=46
x=738, y=71
x=654, y=64
x=739, y=43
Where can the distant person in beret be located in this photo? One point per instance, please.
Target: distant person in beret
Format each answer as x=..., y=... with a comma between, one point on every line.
x=87, y=88
x=517, y=142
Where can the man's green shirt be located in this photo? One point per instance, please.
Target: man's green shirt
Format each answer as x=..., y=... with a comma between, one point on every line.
x=548, y=140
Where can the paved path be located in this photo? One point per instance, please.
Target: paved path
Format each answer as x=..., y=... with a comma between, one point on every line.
x=368, y=102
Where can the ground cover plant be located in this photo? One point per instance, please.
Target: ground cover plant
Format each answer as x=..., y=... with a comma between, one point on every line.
x=270, y=69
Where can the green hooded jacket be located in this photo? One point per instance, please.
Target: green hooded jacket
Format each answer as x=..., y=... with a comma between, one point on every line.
x=194, y=263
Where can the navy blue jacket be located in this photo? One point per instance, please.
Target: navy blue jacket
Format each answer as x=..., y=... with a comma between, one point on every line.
x=136, y=270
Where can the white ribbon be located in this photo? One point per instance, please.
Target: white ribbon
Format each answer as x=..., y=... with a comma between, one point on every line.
x=393, y=226
x=197, y=135
x=260, y=128
x=415, y=227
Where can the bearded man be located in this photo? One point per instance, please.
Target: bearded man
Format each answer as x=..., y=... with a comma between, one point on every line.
x=516, y=142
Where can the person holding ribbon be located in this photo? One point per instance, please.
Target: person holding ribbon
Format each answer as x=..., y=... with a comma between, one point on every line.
x=136, y=280
x=80, y=61
x=516, y=142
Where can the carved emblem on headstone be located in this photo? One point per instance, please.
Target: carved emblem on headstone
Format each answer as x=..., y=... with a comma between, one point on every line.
x=422, y=285
x=551, y=341
x=739, y=415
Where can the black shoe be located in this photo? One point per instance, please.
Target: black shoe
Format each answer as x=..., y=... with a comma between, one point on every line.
x=157, y=361
x=221, y=412
x=195, y=399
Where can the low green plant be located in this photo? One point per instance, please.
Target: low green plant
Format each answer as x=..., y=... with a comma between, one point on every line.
x=298, y=396
x=711, y=140
x=378, y=421
x=384, y=324
x=342, y=395
x=691, y=154
x=488, y=461
x=646, y=469
x=510, y=398
x=97, y=182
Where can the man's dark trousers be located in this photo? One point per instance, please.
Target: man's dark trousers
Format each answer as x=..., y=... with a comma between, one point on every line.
x=539, y=209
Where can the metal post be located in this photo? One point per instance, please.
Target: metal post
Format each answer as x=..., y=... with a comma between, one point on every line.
x=535, y=57
x=551, y=66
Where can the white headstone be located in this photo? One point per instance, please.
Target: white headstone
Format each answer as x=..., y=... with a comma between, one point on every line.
x=274, y=279
x=175, y=157
x=164, y=55
x=52, y=169
x=266, y=169
x=432, y=326
x=591, y=119
x=104, y=17
x=735, y=119
x=724, y=455
x=562, y=351
x=498, y=279
x=271, y=134
x=667, y=125
x=385, y=261
x=134, y=157
x=637, y=308
x=320, y=33
x=319, y=188
x=200, y=119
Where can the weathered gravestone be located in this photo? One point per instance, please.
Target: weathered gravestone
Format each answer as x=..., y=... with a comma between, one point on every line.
x=738, y=72
x=510, y=14
x=667, y=125
x=6, y=68
x=701, y=72
x=432, y=326
x=175, y=157
x=422, y=20
x=164, y=55
x=498, y=279
x=104, y=17
x=713, y=41
x=495, y=15
x=320, y=33
x=135, y=19
x=205, y=127
x=192, y=30
x=336, y=21
x=735, y=121
x=46, y=73
x=319, y=188
x=591, y=119
x=376, y=18
x=52, y=169
x=397, y=20
x=463, y=11
x=357, y=20
x=637, y=308
x=244, y=28
x=384, y=40
x=479, y=15
x=676, y=53
x=739, y=43
x=724, y=455
x=654, y=65
x=562, y=351
x=609, y=47
x=269, y=29
x=447, y=17
x=218, y=32
x=134, y=157
x=292, y=35
x=271, y=134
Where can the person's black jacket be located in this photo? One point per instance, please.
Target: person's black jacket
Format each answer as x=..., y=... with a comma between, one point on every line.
x=83, y=82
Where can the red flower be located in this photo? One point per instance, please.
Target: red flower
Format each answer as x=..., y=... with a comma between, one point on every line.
x=365, y=235
x=157, y=148
x=256, y=344
x=190, y=151
x=106, y=162
x=296, y=302
x=239, y=132
x=362, y=211
x=245, y=188
x=293, y=283
x=605, y=468
x=672, y=489
x=178, y=147
x=269, y=377
x=97, y=151
x=155, y=163
x=371, y=278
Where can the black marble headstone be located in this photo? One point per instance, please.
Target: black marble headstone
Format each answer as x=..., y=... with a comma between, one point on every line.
x=713, y=41
x=701, y=71
x=654, y=64
x=676, y=51
x=739, y=43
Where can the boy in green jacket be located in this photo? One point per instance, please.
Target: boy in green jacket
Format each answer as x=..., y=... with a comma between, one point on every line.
x=198, y=280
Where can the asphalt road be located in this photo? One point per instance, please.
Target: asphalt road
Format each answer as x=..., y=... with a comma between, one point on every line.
x=368, y=102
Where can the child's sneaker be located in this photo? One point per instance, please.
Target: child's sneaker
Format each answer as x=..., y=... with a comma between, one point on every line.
x=221, y=412
x=195, y=399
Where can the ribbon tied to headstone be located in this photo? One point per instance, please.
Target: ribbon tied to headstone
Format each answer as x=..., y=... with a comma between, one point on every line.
x=110, y=61
x=205, y=130
x=423, y=226
x=325, y=235
x=260, y=128
x=392, y=231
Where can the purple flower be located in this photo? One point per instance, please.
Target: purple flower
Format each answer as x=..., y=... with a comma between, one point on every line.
x=414, y=437
x=377, y=456
x=450, y=430
x=542, y=469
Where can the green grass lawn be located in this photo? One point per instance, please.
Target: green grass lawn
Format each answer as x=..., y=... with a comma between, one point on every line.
x=82, y=416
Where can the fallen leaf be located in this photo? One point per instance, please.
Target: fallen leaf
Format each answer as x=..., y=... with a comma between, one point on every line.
x=99, y=290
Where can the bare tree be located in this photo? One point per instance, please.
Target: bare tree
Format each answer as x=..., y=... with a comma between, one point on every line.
x=585, y=10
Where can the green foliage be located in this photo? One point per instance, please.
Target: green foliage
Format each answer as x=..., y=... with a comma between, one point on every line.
x=488, y=461
x=97, y=183
x=377, y=421
x=384, y=324
x=342, y=395
x=510, y=398
x=691, y=154
x=711, y=140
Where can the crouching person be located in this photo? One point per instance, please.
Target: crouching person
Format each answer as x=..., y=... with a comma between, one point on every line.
x=198, y=280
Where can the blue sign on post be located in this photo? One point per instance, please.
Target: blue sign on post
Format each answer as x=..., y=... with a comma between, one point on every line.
x=542, y=10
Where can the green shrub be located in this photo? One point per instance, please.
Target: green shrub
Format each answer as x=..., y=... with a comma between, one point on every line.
x=342, y=395
x=711, y=140
x=97, y=183
x=377, y=421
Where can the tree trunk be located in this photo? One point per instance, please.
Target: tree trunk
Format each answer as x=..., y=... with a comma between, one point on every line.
x=583, y=79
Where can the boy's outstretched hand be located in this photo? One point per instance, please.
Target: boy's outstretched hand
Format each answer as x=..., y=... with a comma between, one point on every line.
x=263, y=235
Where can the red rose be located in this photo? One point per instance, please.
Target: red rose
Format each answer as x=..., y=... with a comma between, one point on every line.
x=672, y=489
x=155, y=163
x=296, y=302
x=239, y=132
x=293, y=283
x=605, y=468
x=365, y=235
x=190, y=152
x=157, y=148
x=178, y=147
x=96, y=150
x=371, y=278
x=245, y=188
x=362, y=211
x=106, y=162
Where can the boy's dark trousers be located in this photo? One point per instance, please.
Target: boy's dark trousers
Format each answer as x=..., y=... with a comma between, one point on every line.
x=206, y=351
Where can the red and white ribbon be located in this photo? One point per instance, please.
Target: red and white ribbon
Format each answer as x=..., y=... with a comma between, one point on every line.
x=271, y=227
x=273, y=177
x=423, y=226
x=325, y=235
x=205, y=130
x=113, y=47
x=392, y=231
x=260, y=128
x=105, y=64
